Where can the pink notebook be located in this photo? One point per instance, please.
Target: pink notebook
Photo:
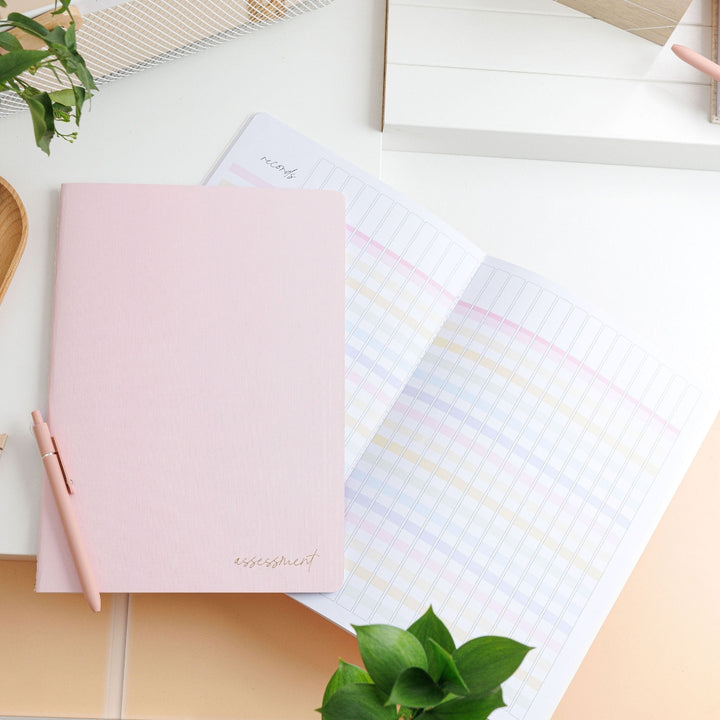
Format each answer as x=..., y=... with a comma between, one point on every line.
x=196, y=389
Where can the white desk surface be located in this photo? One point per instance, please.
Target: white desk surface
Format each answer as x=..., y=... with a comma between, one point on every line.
x=636, y=241
x=320, y=72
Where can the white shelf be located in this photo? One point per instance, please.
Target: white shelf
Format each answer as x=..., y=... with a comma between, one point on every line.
x=532, y=79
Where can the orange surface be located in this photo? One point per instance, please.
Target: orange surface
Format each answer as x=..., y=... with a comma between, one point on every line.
x=266, y=657
x=53, y=649
x=657, y=656
x=229, y=656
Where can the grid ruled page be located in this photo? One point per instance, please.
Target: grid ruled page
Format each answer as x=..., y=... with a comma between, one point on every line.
x=509, y=451
x=516, y=479
x=405, y=269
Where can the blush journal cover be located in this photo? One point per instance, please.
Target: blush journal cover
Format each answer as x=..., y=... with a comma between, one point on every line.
x=196, y=389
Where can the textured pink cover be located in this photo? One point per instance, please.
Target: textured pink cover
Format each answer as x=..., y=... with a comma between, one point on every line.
x=196, y=388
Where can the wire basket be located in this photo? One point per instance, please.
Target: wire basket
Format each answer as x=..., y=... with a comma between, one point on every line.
x=119, y=39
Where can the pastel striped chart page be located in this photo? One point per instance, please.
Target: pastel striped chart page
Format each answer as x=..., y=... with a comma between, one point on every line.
x=405, y=270
x=403, y=277
x=509, y=451
x=516, y=479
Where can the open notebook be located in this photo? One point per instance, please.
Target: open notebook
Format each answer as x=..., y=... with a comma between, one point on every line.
x=196, y=389
x=508, y=450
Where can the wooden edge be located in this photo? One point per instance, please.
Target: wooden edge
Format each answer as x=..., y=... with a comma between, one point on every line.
x=50, y=21
x=640, y=19
x=18, y=558
x=3, y=440
x=21, y=241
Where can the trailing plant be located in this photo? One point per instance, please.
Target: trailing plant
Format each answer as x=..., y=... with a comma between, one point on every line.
x=59, y=56
x=419, y=674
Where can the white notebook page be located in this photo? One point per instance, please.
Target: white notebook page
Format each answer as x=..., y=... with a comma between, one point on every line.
x=404, y=274
x=523, y=447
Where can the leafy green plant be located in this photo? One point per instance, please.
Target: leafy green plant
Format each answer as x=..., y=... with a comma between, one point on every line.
x=419, y=674
x=60, y=58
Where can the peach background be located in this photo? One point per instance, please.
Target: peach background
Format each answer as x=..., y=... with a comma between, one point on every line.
x=53, y=649
x=657, y=655
x=229, y=656
x=265, y=657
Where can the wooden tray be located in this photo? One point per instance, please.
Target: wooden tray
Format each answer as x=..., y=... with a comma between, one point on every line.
x=13, y=233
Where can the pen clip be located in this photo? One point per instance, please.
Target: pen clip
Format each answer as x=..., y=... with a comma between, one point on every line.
x=66, y=477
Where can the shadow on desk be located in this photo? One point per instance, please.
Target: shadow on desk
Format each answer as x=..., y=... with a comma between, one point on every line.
x=267, y=657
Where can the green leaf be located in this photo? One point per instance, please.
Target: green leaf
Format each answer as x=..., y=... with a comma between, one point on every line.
x=64, y=97
x=56, y=36
x=416, y=689
x=430, y=627
x=80, y=95
x=448, y=677
x=70, y=38
x=346, y=674
x=359, y=701
x=386, y=651
x=76, y=65
x=61, y=59
x=18, y=61
x=67, y=98
x=9, y=42
x=27, y=24
x=64, y=6
x=486, y=662
x=41, y=112
x=471, y=707
x=61, y=112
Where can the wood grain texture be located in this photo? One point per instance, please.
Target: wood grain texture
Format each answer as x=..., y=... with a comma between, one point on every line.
x=13, y=233
x=50, y=21
x=653, y=20
x=266, y=10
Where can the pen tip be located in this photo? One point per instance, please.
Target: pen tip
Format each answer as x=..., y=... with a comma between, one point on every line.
x=94, y=603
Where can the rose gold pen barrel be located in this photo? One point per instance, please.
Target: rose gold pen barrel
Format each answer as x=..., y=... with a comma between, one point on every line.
x=70, y=525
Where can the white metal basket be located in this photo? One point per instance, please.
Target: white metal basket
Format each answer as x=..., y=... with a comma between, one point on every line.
x=121, y=37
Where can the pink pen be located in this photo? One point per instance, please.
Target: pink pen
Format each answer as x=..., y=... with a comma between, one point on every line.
x=61, y=489
x=697, y=61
